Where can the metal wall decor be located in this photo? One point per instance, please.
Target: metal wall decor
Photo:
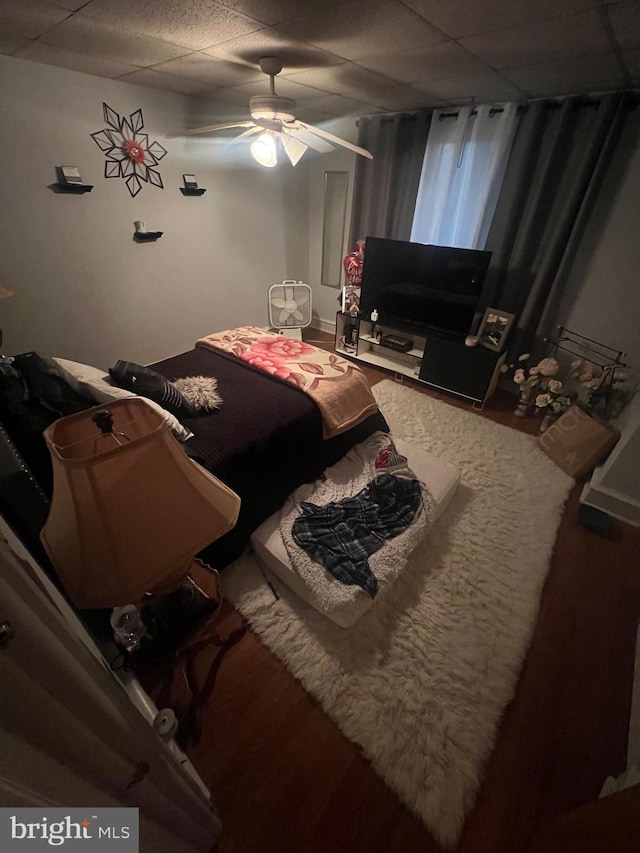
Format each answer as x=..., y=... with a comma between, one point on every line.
x=129, y=153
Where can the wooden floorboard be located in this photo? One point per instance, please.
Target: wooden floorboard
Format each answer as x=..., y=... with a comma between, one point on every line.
x=604, y=826
x=285, y=779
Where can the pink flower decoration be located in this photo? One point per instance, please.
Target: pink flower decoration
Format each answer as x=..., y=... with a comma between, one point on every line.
x=548, y=367
x=133, y=150
x=281, y=348
x=275, y=366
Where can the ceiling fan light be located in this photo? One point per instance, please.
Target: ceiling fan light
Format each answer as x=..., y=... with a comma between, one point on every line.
x=263, y=150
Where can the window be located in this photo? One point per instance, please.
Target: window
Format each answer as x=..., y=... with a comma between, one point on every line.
x=462, y=172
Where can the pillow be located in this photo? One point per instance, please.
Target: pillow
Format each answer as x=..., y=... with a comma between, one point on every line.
x=200, y=392
x=147, y=383
x=91, y=382
x=96, y=385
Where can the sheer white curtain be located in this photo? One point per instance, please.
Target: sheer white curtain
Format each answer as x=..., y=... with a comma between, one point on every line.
x=462, y=172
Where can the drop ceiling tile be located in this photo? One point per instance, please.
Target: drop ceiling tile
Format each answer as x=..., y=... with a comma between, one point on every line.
x=435, y=62
x=568, y=76
x=213, y=72
x=364, y=28
x=275, y=11
x=9, y=43
x=166, y=82
x=49, y=55
x=93, y=38
x=468, y=17
x=336, y=105
x=488, y=84
x=248, y=48
x=311, y=116
x=29, y=18
x=625, y=20
x=285, y=87
x=345, y=79
x=195, y=24
x=70, y=5
x=581, y=88
x=399, y=98
x=544, y=41
x=232, y=97
x=295, y=55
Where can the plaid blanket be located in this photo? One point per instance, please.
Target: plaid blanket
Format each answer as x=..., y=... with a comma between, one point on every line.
x=362, y=465
x=343, y=535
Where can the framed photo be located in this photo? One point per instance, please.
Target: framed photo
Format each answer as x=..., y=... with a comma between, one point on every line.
x=351, y=300
x=70, y=174
x=494, y=329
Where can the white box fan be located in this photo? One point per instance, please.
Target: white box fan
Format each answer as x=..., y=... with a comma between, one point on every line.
x=290, y=308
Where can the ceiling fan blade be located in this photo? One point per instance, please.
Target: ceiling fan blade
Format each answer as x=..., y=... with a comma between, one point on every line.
x=208, y=128
x=245, y=133
x=309, y=139
x=336, y=139
x=294, y=148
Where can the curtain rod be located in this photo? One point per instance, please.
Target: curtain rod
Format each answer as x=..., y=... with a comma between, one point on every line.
x=551, y=105
x=523, y=108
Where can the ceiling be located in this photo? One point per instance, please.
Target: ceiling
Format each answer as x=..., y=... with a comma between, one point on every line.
x=341, y=58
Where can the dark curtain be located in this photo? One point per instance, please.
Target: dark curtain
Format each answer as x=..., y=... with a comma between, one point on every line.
x=558, y=161
x=386, y=187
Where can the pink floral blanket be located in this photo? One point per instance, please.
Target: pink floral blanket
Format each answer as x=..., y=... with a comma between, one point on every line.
x=339, y=388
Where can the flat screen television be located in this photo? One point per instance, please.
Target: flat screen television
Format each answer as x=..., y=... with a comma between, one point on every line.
x=422, y=287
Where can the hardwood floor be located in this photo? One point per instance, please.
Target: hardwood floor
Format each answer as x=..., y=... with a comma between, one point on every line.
x=285, y=779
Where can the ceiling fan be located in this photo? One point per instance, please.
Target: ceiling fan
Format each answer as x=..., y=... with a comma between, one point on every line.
x=273, y=121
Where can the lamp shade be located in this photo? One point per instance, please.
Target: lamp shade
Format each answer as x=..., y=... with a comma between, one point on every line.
x=130, y=509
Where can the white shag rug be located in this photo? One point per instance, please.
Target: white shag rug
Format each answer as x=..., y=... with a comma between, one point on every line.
x=421, y=681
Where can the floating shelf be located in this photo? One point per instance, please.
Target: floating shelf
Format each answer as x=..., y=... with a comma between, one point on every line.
x=147, y=236
x=73, y=189
x=192, y=190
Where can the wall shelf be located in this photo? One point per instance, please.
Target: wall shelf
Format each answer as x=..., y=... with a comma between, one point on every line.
x=147, y=236
x=71, y=189
x=192, y=190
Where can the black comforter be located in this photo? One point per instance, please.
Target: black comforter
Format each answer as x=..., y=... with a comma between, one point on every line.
x=264, y=441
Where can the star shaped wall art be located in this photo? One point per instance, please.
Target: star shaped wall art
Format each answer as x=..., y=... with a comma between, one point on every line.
x=129, y=153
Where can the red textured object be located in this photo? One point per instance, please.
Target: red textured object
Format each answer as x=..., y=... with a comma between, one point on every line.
x=353, y=264
x=134, y=150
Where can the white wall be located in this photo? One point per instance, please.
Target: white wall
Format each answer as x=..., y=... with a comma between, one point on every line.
x=83, y=288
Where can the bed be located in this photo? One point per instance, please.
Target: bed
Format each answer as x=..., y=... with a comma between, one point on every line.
x=264, y=441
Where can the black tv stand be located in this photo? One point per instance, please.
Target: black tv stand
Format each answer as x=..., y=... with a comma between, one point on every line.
x=445, y=335
x=436, y=358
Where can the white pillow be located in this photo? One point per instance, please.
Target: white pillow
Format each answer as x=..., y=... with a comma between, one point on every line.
x=96, y=384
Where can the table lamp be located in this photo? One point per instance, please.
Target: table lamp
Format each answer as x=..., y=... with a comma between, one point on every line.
x=129, y=509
